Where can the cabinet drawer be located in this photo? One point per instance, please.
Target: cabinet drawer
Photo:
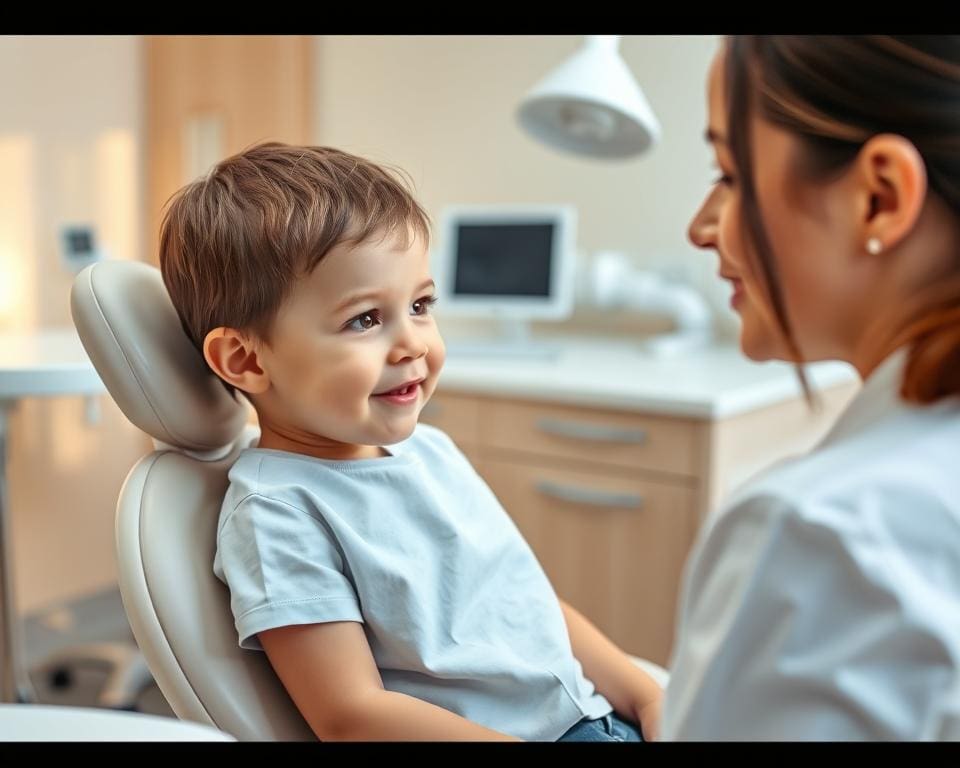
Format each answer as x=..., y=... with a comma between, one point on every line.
x=456, y=415
x=592, y=436
x=612, y=547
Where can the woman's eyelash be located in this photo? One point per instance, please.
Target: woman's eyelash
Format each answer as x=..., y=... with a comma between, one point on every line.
x=724, y=178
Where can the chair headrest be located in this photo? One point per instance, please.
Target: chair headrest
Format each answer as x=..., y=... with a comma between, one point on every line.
x=133, y=335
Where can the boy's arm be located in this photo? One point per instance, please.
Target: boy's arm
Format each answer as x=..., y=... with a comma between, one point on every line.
x=329, y=672
x=628, y=688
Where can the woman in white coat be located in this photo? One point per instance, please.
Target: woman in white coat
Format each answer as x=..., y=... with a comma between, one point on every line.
x=823, y=601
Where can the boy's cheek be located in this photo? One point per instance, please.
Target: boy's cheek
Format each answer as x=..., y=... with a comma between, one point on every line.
x=437, y=354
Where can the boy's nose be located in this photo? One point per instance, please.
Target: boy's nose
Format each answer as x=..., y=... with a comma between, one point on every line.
x=409, y=344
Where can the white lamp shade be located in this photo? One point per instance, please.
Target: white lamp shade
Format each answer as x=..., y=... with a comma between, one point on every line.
x=591, y=105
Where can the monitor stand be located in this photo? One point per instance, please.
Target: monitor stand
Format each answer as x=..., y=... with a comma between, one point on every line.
x=514, y=342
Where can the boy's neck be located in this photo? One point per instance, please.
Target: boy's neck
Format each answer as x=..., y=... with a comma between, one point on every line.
x=317, y=446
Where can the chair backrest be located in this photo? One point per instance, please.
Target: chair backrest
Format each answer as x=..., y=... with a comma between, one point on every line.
x=169, y=505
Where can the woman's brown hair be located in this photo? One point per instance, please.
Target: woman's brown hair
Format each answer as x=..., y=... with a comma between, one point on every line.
x=834, y=93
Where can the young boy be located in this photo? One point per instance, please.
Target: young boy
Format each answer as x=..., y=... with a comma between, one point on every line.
x=391, y=592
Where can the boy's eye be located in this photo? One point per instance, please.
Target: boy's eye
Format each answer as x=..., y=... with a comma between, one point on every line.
x=364, y=322
x=422, y=305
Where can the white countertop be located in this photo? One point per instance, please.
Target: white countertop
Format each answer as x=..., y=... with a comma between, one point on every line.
x=715, y=382
x=47, y=362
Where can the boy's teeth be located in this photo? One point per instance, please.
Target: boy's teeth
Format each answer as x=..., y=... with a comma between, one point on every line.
x=401, y=390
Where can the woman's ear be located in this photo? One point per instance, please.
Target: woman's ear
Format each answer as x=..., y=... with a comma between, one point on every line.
x=233, y=357
x=894, y=180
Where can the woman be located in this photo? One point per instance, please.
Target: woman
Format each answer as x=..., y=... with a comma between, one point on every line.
x=823, y=602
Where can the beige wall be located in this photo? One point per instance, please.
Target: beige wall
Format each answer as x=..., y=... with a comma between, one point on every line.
x=443, y=108
x=71, y=151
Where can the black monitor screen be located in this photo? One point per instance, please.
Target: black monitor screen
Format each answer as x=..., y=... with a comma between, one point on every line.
x=504, y=259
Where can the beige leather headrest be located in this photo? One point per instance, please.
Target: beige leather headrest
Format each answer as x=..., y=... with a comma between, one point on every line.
x=133, y=335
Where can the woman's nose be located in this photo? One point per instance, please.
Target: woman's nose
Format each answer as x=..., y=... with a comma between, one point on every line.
x=702, y=231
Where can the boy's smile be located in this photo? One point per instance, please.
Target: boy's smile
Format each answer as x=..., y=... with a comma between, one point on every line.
x=406, y=394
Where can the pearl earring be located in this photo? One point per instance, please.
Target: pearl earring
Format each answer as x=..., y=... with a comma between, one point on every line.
x=874, y=246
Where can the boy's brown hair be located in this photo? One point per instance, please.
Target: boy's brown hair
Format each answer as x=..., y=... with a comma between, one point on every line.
x=233, y=243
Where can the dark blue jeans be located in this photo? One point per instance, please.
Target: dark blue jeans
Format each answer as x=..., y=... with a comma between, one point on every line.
x=608, y=728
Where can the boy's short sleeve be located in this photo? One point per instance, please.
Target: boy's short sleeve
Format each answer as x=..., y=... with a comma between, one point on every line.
x=283, y=567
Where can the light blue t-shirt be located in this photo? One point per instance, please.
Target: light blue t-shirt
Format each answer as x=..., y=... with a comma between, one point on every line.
x=415, y=546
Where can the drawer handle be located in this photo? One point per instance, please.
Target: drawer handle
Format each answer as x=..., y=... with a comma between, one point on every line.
x=599, y=432
x=589, y=495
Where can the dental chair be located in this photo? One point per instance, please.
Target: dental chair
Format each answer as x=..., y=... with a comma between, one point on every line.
x=169, y=506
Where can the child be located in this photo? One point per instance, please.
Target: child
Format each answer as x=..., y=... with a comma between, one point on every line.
x=391, y=592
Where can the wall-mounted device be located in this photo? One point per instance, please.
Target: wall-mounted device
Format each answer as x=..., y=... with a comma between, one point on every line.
x=78, y=246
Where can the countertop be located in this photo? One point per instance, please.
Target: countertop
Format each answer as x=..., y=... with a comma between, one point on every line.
x=713, y=382
x=48, y=362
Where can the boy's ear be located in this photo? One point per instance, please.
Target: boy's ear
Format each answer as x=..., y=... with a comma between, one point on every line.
x=233, y=357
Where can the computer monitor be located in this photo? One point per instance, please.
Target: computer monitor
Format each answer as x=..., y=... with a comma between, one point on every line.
x=512, y=262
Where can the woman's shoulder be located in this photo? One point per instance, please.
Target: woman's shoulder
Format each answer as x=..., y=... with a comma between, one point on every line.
x=883, y=493
x=888, y=547
x=904, y=466
x=871, y=521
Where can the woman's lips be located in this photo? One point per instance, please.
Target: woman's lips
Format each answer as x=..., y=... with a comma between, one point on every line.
x=738, y=293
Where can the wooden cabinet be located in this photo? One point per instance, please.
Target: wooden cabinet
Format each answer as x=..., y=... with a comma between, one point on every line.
x=610, y=501
x=629, y=441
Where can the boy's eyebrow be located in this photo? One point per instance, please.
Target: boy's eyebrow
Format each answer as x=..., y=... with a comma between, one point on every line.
x=356, y=298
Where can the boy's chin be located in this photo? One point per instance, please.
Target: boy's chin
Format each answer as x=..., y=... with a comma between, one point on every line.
x=398, y=435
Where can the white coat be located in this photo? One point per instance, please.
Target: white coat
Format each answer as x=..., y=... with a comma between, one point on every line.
x=823, y=602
